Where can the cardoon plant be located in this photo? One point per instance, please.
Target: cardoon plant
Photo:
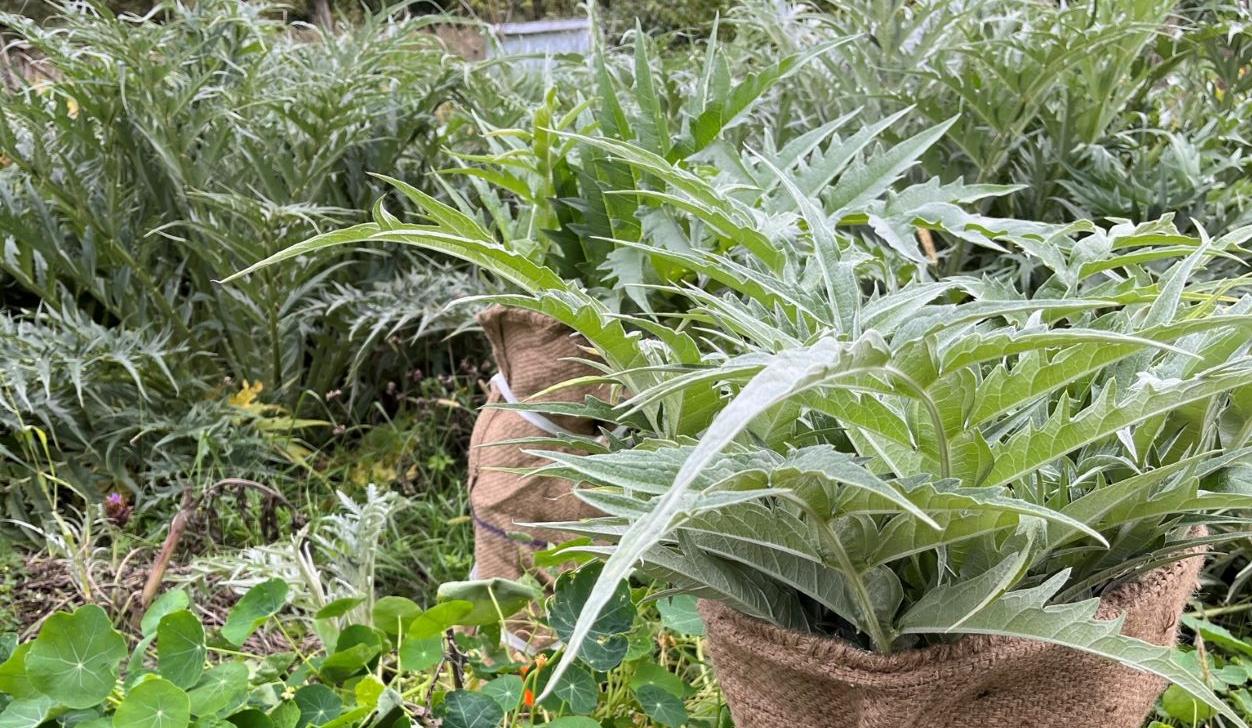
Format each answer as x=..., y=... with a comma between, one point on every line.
x=831, y=441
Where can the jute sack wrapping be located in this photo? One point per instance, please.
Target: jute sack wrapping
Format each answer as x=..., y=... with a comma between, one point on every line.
x=531, y=352
x=778, y=677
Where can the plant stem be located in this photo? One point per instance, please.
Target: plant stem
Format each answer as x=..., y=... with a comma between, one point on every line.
x=1219, y=611
x=830, y=541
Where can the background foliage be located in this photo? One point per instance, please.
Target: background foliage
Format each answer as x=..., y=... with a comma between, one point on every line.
x=151, y=159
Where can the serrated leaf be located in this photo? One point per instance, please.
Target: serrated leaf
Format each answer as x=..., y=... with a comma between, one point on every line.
x=1025, y=613
x=1030, y=449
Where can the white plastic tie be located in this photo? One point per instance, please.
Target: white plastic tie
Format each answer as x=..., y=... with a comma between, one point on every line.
x=534, y=418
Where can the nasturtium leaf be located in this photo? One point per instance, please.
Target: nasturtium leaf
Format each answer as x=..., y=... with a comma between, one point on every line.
x=391, y=702
x=573, y=721
x=8, y=645
x=576, y=689
x=338, y=608
x=222, y=687
x=420, y=654
x=492, y=599
x=286, y=715
x=462, y=709
x=352, y=718
x=640, y=641
x=606, y=643
x=367, y=691
x=356, y=647
x=136, y=666
x=154, y=703
x=679, y=615
x=261, y=601
x=1180, y=705
x=180, y=648
x=318, y=704
x=393, y=614
x=27, y=712
x=274, y=666
x=75, y=658
x=359, y=634
x=439, y=618
x=345, y=663
x=13, y=679
x=251, y=718
x=171, y=601
x=84, y=718
x=650, y=673
x=661, y=706
x=506, y=690
x=1217, y=634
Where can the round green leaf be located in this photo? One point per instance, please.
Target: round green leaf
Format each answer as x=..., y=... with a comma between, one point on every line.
x=257, y=605
x=577, y=691
x=679, y=615
x=223, y=687
x=13, y=679
x=75, y=658
x=661, y=706
x=170, y=601
x=434, y=621
x=356, y=647
x=573, y=721
x=318, y=704
x=180, y=648
x=392, y=614
x=492, y=598
x=251, y=718
x=286, y=715
x=154, y=703
x=27, y=713
x=507, y=691
x=650, y=673
x=606, y=643
x=463, y=709
x=338, y=608
x=1181, y=706
x=417, y=655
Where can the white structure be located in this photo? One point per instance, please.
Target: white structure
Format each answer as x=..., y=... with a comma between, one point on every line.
x=543, y=38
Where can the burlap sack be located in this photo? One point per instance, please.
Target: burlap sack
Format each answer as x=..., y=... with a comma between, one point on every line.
x=775, y=677
x=530, y=350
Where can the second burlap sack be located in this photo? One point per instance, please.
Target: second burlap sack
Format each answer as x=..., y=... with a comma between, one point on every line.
x=533, y=352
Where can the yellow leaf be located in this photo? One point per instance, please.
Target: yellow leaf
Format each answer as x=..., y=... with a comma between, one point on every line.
x=246, y=395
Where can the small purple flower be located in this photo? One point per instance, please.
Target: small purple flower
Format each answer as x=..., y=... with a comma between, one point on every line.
x=116, y=509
